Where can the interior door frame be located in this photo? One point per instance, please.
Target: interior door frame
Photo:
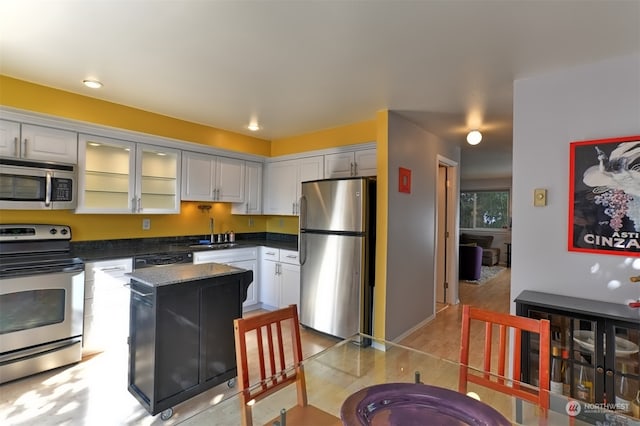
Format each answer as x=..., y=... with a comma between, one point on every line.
x=450, y=244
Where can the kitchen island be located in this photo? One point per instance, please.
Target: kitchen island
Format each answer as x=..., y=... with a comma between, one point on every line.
x=181, y=339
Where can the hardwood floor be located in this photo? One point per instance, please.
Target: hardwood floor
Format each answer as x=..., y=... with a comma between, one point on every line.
x=94, y=391
x=441, y=336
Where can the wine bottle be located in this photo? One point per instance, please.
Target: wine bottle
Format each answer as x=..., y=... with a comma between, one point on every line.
x=623, y=391
x=566, y=373
x=584, y=385
x=556, y=384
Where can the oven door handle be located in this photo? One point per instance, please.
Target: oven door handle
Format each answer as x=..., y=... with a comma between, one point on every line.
x=47, y=196
x=133, y=290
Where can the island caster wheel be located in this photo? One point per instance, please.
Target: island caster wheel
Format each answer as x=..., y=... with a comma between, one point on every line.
x=231, y=383
x=166, y=414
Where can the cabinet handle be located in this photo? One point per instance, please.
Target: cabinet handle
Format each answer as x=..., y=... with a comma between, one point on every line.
x=16, y=143
x=133, y=205
x=136, y=291
x=599, y=369
x=351, y=170
x=609, y=373
x=291, y=256
x=113, y=268
x=246, y=207
x=139, y=205
x=355, y=169
x=24, y=149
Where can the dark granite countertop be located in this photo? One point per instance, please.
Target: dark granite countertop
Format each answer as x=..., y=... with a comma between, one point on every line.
x=176, y=274
x=115, y=249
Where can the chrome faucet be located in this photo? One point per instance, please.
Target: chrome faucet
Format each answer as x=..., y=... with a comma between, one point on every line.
x=211, y=220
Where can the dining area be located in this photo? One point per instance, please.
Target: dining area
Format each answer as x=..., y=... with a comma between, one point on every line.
x=364, y=380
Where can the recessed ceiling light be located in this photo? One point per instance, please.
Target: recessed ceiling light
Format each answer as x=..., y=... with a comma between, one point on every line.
x=254, y=127
x=94, y=84
x=474, y=137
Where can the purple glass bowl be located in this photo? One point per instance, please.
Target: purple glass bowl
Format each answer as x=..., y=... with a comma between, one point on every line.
x=416, y=404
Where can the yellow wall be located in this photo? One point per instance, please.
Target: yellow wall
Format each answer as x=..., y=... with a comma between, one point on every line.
x=351, y=134
x=32, y=97
x=190, y=221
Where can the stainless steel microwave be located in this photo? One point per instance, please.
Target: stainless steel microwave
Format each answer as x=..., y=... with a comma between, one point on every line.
x=30, y=185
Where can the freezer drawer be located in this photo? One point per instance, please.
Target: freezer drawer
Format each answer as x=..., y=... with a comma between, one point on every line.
x=333, y=293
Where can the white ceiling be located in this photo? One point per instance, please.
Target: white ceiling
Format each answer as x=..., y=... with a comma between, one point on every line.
x=302, y=66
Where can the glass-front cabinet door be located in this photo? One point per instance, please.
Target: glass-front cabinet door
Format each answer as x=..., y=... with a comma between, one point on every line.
x=157, y=181
x=624, y=376
x=119, y=176
x=105, y=181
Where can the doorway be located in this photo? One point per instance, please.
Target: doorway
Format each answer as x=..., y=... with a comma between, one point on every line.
x=446, y=278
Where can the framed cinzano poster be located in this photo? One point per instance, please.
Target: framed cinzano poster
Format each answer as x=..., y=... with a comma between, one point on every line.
x=604, y=205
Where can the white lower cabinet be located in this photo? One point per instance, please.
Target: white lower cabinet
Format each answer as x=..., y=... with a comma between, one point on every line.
x=245, y=258
x=279, y=278
x=106, y=306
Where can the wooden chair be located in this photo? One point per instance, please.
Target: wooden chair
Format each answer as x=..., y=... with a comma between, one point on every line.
x=518, y=325
x=278, y=365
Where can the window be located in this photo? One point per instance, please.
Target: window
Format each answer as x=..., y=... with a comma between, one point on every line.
x=484, y=209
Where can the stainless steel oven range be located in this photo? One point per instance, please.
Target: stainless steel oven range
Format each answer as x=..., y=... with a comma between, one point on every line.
x=41, y=300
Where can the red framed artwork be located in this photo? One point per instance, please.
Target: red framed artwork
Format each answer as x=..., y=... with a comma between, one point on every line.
x=404, y=180
x=604, y=192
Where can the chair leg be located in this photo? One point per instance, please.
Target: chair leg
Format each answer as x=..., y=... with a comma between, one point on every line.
x=283, y=419
x=246, y=415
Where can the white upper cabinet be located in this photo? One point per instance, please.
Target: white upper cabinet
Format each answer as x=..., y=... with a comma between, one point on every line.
x=346, y=164
x=38, y=143
x=9, y=138
x=212, y=178
x=252, y=190
x=283, y=183
x=126, y=177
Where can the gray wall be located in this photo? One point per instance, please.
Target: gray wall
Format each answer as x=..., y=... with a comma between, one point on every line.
x=412, y=224
x=594, y=101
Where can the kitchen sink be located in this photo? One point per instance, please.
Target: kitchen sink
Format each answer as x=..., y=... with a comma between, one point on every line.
x=214, y=246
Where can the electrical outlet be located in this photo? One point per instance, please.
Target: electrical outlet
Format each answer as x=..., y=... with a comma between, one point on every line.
x=146, y=224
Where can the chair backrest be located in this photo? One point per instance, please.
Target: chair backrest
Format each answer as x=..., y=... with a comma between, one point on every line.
x=505, y=322
x=279, y=354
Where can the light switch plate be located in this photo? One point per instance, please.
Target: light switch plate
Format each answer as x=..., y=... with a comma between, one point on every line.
x=146, y=224
x=539, y=197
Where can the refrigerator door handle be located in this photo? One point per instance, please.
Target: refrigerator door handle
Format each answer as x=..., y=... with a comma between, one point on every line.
x=303, y=212
x=303, y=248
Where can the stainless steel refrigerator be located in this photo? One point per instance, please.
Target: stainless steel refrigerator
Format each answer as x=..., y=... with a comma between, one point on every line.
x=337, y=255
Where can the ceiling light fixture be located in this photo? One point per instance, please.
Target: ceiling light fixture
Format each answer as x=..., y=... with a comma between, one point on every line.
x=254, y=127
x=474, y=137
x=93, y=84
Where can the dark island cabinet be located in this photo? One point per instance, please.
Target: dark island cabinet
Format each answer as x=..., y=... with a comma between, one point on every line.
x=181, y=339
x=594, y=343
